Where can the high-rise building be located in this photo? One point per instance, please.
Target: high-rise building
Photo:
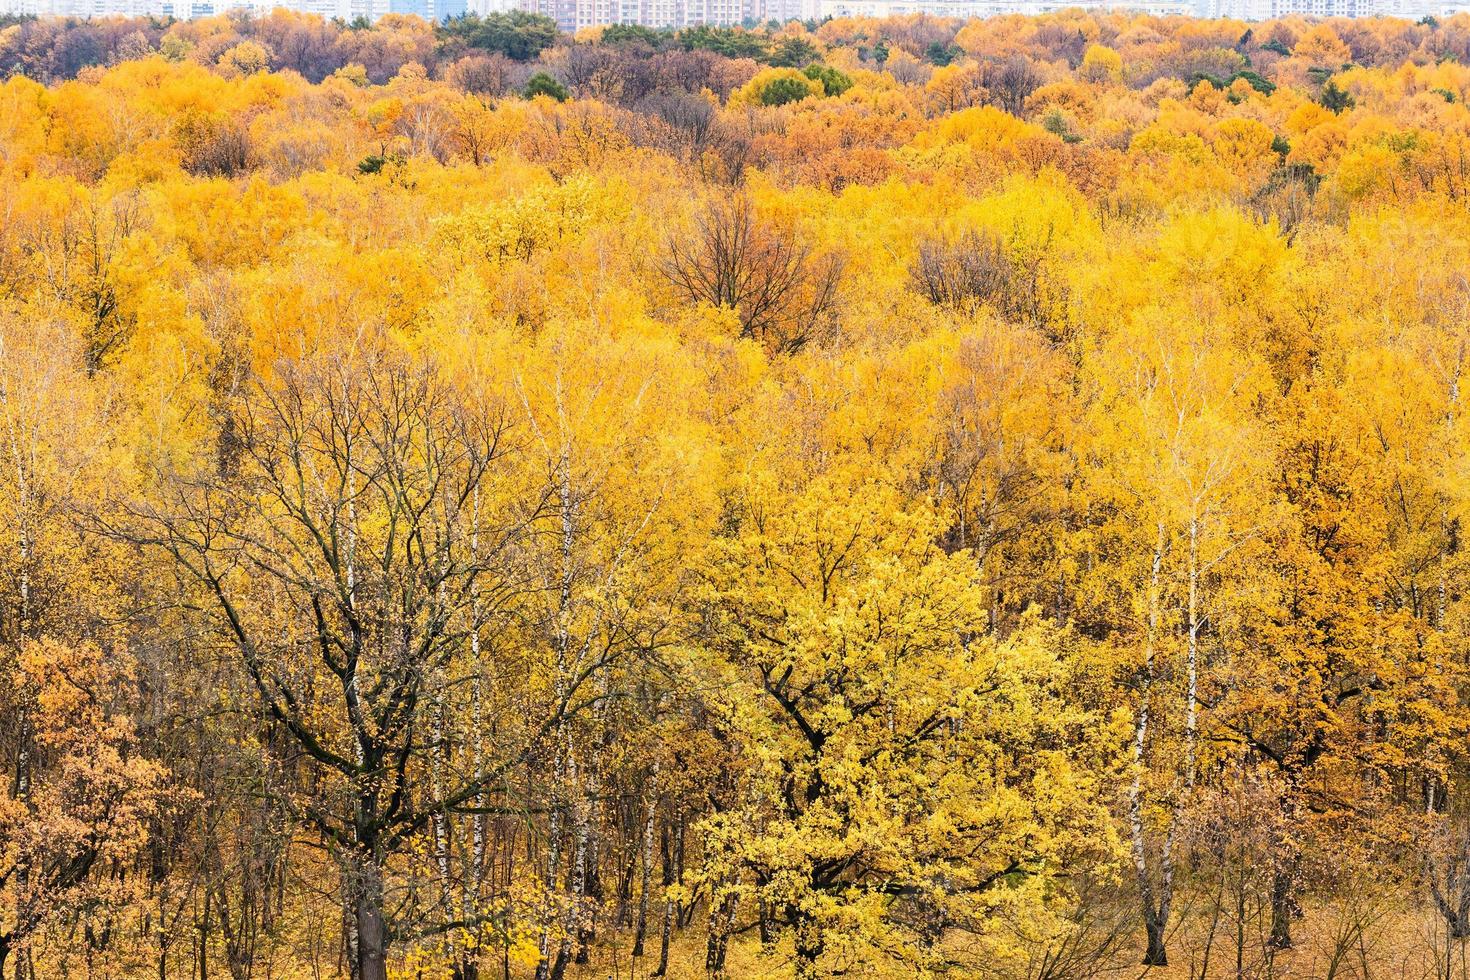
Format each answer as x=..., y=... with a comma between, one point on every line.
x=369, y=9
x=1268, y=9
x=784, y=10
x=989, y=8
x=574, y=15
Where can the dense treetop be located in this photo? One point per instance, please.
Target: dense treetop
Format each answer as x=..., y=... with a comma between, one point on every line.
x=1132, y=111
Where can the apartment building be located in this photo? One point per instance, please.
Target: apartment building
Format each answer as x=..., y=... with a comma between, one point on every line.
x=575, y=15
x=987, y=8
x=1268, y=9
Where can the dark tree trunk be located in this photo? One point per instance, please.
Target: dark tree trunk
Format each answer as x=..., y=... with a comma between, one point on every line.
x=203, y=946
x=721, y=920
x=668, y=923
x=1155, y=954
x=372, y=934
x=663, y=944
x=1283, y=904
x=563, y=957
x=640, y=929
x=809, y=945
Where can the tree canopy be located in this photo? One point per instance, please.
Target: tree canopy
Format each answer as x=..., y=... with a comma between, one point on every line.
x=877, y=498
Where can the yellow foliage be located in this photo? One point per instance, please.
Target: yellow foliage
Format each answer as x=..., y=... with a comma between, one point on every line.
x=927, y=525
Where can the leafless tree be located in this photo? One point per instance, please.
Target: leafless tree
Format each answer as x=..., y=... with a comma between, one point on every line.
x=1445, y=853
x=216, y=149
x=692, y=117
x=690, y=128
x=352, y=557
x=1448, y=877
x=782, y=292
x=1098, y=932
x=581, y=66
x=1010, y=82
x=490, y=75
x=975, y=268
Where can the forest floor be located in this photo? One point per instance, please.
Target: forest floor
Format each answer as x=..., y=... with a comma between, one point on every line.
x=1346, y=943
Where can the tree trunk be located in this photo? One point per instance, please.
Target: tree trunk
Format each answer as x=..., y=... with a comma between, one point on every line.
x=1155, y=903
x=1284, y=872
x=372, y=935
x=586, y=888
x=563, y=957
x=1191, y=711
x=564, y=763
x=668, y=923
x=721, y=922
x=809, y=945
x=645, y=859
x=1155, y=954
x=203, y=946
x=347, y=956
x=1283, y=904
x=684, y=914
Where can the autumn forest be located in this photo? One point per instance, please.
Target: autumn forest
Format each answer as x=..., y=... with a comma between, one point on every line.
x=872, y=498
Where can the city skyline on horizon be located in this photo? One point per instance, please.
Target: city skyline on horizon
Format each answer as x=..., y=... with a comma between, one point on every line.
x=573, y=15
